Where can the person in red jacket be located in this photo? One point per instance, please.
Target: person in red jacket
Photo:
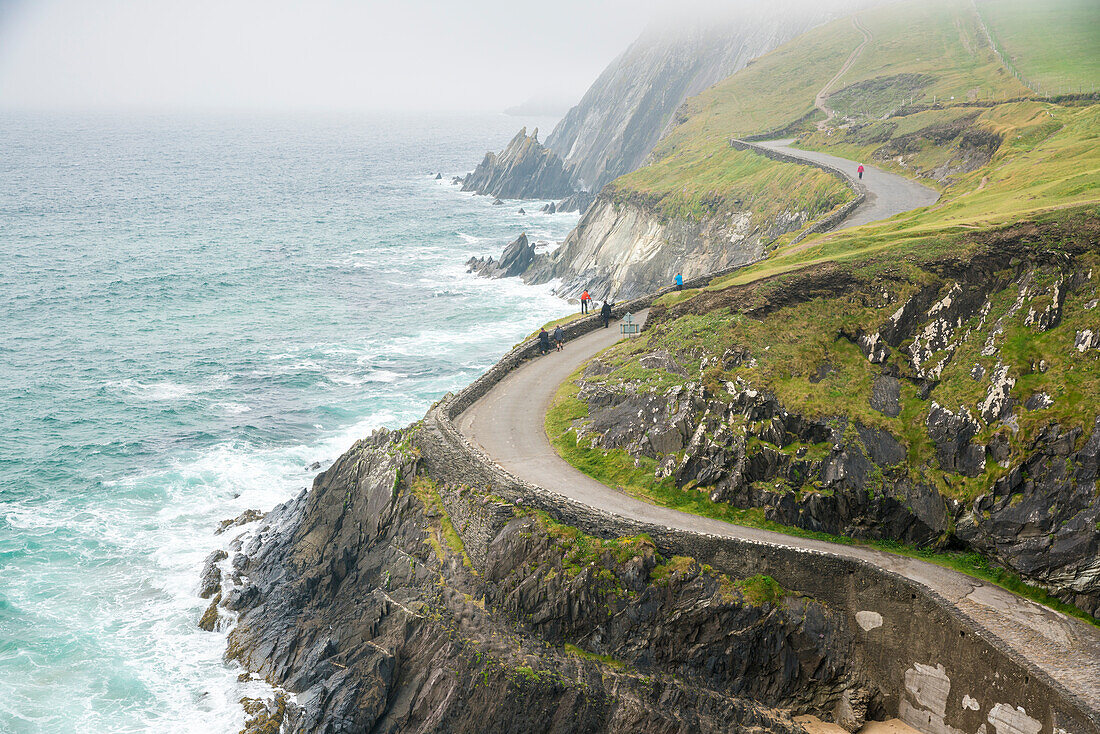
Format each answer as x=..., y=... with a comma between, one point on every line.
x=585, y=299
x=860, y=171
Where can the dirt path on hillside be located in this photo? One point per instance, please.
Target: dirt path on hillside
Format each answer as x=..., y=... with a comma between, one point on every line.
x=819, y=100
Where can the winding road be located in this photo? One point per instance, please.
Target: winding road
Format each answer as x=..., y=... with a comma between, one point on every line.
x=507, y=423
x=886, y=193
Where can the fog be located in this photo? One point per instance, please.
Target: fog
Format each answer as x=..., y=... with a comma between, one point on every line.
x=315, y=54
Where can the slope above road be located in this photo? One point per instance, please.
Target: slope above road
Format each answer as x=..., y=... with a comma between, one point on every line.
x=508, y=425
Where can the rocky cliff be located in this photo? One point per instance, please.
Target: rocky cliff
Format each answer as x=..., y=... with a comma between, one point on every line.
x=389, y=602
x=524, y=170
x=947, y=404
x=624, y=250
x=624, y=113
x=628, y=244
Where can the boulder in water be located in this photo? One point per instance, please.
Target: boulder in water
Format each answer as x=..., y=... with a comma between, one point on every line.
x=515, y=260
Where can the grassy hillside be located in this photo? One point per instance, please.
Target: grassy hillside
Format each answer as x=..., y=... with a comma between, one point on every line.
x=918, y=52
x=922, y=52
x=795, y=337
x=925, y=98
x=1016, y=225
x=1054, y=45
x=1049, y=160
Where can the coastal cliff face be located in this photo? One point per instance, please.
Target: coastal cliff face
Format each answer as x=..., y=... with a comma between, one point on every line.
x=624, y=250
x=524, y=170
x=949, y=405
x=624, y=113
x=388, y=602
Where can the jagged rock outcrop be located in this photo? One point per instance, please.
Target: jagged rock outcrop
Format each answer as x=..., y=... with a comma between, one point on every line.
x=517, y=258
x=956, y=450
x=628, y=108
x=1042, y=518
x=360, y=598
x=524, y=170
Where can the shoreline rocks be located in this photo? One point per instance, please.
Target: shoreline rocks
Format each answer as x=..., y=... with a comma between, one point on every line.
x=364, y=607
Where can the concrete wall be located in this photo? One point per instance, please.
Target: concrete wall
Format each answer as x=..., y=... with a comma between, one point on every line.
x=935, y=667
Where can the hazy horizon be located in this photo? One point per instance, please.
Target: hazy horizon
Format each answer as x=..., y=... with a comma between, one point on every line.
x=327, y=55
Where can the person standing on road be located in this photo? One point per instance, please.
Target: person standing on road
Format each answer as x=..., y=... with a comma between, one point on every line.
x=544, y=341
x=585, y=301
x=605, y=313
x=679, y=281
x=559, y=338
x=860, y=171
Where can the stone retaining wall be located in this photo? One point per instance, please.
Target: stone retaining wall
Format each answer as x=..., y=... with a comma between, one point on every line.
x=936, y=668
x=829, y=220
x=529, y=348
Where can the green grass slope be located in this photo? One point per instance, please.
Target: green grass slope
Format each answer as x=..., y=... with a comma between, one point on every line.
x=929, y=98
x=1054, y=45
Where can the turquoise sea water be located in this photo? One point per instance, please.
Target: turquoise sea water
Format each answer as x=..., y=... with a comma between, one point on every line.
x=192, y=310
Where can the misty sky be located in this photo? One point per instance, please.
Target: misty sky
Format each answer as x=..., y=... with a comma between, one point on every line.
x=328, y=54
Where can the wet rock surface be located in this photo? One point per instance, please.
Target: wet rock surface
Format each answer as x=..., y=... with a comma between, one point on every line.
x=354, y=597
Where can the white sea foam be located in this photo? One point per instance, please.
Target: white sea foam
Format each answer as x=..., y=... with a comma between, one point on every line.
x=109, y=539
x=233, y=408
x=158, y=391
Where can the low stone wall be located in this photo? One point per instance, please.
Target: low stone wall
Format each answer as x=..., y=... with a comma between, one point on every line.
x=829, y=221
x=935, y=667
x=529, y=348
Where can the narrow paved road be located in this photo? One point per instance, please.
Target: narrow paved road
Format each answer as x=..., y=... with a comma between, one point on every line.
x=508, y=424
x=887, y=193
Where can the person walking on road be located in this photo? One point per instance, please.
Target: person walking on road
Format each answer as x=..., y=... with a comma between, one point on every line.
x=859, y=170
x=544, y=341
x=559, y=338
x=585, y=301
x=679, y=281
x=605, y=313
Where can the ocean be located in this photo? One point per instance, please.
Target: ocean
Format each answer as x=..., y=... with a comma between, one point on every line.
x=193, y=310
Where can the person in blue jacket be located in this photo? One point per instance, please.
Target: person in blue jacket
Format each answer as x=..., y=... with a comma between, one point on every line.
x=679, y=282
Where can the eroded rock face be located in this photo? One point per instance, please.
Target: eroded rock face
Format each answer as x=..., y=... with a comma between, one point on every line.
x=353, y=597
x=1042, y=517
x=578, y=202
x=978, y=465
x=623, y=250
x=524, y=170
x=634, y=101
x=517, y=258
x=731, y=449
